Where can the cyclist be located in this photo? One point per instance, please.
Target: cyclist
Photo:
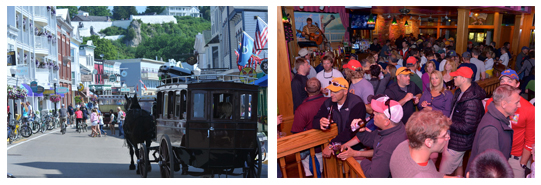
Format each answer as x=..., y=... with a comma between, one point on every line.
x=79, y=117
x=70, y=115
x=63, y=117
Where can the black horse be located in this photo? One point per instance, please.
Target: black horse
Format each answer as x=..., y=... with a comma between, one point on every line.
x=139, y=127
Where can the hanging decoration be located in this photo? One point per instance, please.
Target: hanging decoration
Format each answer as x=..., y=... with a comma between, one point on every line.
x=55, y=98
x=15, y=92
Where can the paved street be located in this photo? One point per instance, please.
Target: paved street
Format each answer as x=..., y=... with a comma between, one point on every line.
x=76, y=155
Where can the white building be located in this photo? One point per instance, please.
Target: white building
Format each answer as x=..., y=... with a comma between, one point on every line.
x=76, y=41
x=32, y=37
x=192, y=11
x=227, y=24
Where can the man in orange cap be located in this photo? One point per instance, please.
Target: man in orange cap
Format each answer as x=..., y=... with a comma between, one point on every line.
x=344, y=107
x=403, y=91
x=466, y=114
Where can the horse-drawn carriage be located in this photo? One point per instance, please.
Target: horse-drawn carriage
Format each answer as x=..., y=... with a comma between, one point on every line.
x=208, y=124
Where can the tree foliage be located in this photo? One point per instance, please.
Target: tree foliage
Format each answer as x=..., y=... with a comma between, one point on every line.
x=113, y=30
x=156, y=9
x=72, y=10
x=167, y=41
x=103, y=46
x=205, y=10
x=96, y=10
x=120, y=12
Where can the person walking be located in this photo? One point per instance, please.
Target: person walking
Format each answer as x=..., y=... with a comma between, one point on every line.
x=112, y=122
x=85, y=115
x=121, y=118
x=94, y=120
x=79, y=118
x=63, y=114
x=71, y=112
x=101, y=124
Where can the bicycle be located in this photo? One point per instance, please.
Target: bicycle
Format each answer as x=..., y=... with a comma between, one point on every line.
x=35, y=126
x=25, y=129
x=43, y=126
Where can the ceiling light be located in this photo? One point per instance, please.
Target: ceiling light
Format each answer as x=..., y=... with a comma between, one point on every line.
x=394, y=21
x=406, y=24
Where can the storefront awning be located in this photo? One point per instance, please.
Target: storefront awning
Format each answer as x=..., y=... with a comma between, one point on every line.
x=51, y=91
x=30, y=92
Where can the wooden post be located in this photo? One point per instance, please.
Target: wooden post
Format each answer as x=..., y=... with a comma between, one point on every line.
x=462, y=30
x=285, y=98
x=516, y=37
x=526, y=31
x=293, y=49
x=497, y=29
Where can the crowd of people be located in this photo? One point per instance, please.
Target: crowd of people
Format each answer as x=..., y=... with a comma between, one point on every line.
x=75, y=116
x=424, y=107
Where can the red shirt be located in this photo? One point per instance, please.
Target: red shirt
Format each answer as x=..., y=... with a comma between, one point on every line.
x=304, y=115
x=523, y=125
x=79, y=114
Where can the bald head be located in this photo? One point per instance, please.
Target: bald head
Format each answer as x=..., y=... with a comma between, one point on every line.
x=313, y=86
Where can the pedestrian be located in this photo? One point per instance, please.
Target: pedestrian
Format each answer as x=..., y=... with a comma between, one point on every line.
x=71, y=113
x=85, y=114
x=94, y=120
x=121, y=118
x=63, y=113
x=79, y=118
x=112, y=122
x=101, y=124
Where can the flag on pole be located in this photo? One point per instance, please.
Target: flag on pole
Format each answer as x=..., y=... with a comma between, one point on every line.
x=261, y=31
x=143, y=85
x=245, y=49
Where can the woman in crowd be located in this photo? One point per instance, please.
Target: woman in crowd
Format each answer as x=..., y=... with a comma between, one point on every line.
x=489, y=62
x=112, y=122
x=391, y=69
x=430, y=67
x=78, y=117
x=437, y=97
x=94, y=120
x=448, y=80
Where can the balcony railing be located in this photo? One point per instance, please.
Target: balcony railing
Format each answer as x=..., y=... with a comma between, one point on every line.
x=41, y=42
x=41, y=11
x=292, y=145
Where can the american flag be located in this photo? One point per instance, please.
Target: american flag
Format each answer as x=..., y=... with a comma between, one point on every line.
x=261, y=30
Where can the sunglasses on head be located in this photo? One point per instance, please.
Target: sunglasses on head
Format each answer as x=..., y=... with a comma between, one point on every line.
x=406, y=70
x=388, y=104
x=337, y=84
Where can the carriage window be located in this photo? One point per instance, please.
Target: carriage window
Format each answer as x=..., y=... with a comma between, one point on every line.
x=222, y=106
x=171, y=103
x=180, y=104
x=165, y=103
x=245, y=106
x=198, y=105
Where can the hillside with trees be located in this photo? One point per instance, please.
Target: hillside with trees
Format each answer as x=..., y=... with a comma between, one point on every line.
x=167, y=41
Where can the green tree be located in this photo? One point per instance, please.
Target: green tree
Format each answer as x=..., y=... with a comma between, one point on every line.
x=113, y=30
x=120, y=12
x=157, y=9
x=96, y=10
x=72, y=10
x=103, y=46
x=205, y=10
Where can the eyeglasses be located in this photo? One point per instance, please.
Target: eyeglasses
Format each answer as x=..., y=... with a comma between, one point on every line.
x=447, y=135
x=337, y=84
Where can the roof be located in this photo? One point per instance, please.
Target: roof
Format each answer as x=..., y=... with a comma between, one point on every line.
x=63, y=13
x=90, y=18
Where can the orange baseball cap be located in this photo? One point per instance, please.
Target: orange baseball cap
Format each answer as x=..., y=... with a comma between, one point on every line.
x=465, y=72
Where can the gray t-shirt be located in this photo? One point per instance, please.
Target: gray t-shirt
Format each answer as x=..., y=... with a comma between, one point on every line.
x=363, y=89
x=480, y=67
x=63, y=112
x=403, y=166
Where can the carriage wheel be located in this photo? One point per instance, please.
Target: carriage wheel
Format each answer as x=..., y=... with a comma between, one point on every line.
x=143, y=162
x=254, y=163
x=167, y=161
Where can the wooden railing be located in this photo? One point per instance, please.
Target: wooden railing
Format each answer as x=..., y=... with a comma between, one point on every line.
x=489, y=85
x=308, y=140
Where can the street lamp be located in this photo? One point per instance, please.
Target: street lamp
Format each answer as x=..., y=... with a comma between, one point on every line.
x=55, y=94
